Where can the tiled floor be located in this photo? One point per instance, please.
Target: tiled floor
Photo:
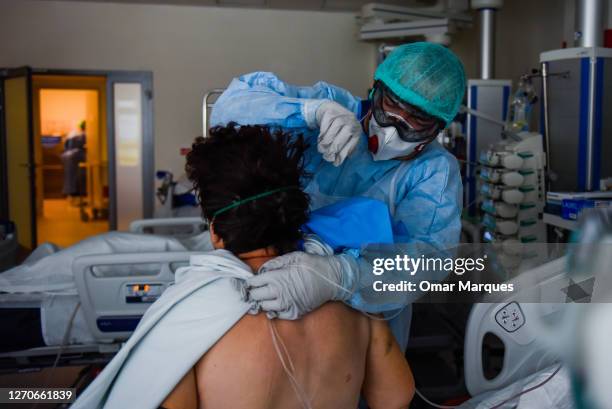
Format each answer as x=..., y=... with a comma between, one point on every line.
x=61, y=224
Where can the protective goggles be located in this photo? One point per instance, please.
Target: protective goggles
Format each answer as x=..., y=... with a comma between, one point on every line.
x=412, y=124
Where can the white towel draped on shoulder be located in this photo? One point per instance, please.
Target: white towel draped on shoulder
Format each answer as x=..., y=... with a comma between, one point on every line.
x=187, y=320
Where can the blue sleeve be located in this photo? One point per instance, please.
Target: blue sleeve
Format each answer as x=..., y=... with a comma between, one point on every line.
x=261, y=98
x=427, y=222
x=430, y=209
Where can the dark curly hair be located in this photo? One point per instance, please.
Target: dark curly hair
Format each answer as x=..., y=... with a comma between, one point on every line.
x=238, y=162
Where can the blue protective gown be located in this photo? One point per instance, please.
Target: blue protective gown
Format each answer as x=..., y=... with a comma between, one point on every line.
x=424, y=194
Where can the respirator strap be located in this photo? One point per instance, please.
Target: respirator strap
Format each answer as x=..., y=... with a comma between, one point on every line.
x=419, y=148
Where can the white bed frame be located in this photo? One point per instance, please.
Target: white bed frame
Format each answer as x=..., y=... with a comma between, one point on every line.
x=105, y=284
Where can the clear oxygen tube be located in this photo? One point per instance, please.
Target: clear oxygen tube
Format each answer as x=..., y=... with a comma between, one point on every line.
x=284, y=356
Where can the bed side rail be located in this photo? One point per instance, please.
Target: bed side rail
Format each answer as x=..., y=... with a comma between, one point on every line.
x=206, y=105
x=116, y=289
x=144, y=226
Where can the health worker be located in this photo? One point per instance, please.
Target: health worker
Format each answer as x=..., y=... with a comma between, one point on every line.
x=384, y=147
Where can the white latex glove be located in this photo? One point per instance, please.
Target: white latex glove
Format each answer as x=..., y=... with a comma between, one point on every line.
x=296, y=283
x=339, y=132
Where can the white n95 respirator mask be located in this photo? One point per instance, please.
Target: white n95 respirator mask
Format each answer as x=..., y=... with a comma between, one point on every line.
x=385, y=143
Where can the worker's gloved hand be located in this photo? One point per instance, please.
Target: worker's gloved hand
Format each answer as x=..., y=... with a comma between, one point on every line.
x=294, y=284
x=339, y=132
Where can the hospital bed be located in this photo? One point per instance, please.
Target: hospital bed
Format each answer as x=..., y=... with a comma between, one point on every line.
x=528, y=371
x=494, y=352
x=114, y=292
x=116, y=289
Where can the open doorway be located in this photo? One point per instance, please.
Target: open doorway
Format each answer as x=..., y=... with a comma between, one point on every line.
x=70, y=145
x=76, y=153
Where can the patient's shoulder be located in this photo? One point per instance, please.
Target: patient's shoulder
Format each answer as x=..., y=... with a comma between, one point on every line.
x=332, y=323
x=336, y=311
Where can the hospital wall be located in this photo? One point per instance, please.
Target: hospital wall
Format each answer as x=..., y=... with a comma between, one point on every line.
x=188, y=49
x=524, y=28
x=193, y=49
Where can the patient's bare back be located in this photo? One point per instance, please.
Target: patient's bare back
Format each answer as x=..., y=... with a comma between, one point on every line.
x=328, y=349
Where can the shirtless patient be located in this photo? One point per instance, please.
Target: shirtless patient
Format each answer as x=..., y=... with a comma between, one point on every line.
x=338, y=353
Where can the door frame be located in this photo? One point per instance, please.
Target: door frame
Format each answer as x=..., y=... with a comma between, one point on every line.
x=8, y=73
x=145, y=78
x=3, y=159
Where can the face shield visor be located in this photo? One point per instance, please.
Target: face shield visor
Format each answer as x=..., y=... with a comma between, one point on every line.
x=411, y=123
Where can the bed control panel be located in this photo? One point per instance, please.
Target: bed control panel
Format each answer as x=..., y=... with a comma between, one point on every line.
x=510, y=317
x=142, y=293
x=117, y=289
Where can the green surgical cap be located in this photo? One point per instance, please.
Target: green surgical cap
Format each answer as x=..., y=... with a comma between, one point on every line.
x=428, y=76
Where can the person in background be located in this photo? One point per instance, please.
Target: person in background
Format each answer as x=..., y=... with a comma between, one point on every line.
x=383, y=147
x=74, y=153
